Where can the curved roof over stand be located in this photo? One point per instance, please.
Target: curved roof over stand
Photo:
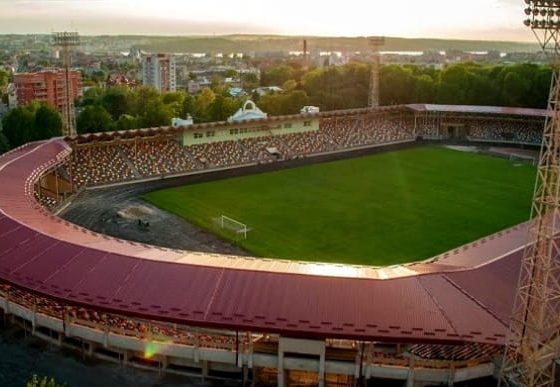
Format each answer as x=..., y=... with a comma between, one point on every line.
x=472, y=109
x=461, y=296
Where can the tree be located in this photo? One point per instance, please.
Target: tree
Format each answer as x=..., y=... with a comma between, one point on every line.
x=157, y=114
x=94, y=118
x=140, y=98
x=47, y=123
x=4, y=144
x=454, y=85
x=284, y=103
x=188, y=106
x=92, y=96
x=222, y=108
x=126, y=122
x=175, y=101
x=289, y=85
x=116, y=101
x=272, y=103
x=294, y=101
x=425, y=90
x=250, y=81
x=18, y=125
x=174, y=97
x=397, y=85
x=277, y=75
x=4, y=80
x=231, y=73
x=202, y=103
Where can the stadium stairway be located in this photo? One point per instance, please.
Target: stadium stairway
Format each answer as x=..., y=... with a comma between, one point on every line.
x=355, y=130
x=282, y=139
x=248, y=151
x=197, y=164
x=129, y=163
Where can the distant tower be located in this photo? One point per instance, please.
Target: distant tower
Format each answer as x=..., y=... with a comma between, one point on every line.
x=66, y=42
x=376, y=42
x=533, y=342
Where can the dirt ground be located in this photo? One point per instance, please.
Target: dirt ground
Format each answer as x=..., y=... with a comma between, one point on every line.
x=117, y=211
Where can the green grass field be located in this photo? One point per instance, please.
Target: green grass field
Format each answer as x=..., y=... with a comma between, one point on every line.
x=383, y=209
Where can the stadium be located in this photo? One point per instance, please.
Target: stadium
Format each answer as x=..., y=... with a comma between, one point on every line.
x=224, y=314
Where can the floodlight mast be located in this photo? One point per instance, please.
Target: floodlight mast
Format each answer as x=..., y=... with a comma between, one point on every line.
x=375, y=42
x=66, y=42
x=533, y=341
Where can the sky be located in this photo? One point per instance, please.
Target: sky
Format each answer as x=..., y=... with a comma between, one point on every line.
x=473, y=19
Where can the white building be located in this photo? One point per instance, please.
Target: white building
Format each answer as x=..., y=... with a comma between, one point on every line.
x=176, y=122
x=158, y=70
x=248, y=112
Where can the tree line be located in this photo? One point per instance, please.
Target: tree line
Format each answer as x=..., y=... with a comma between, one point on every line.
x=120, y=108
x=345, y=87
x=329, y=88
x=36, y=121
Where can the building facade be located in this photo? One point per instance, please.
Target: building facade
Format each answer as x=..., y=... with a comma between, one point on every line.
x=159, y=71
x=46, y=86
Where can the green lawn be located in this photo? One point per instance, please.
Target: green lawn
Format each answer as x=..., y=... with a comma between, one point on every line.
x=378, y=210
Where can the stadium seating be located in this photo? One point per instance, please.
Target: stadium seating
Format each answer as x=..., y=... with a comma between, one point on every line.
x=157, y=155
x=220, y=154
x=510, y=131
x=46, y=200
x=101, y=164
x=261, y=148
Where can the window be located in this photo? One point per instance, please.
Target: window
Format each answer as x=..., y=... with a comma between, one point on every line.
x=306, y=123
x=198, y=135
x=233, y=131
x=287, y=126
x=210, y=133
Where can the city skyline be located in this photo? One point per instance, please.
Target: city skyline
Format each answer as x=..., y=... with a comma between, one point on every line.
x=476, y=19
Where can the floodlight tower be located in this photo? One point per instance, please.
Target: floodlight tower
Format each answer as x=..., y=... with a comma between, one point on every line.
x=375, y=42
x=66, y=42
x=533, y=341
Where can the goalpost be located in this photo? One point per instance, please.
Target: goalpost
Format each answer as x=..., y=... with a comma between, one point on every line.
x=231, y=224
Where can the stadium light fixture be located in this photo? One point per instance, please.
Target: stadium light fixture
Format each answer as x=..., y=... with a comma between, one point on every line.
x=531, y=344
x=542, y=15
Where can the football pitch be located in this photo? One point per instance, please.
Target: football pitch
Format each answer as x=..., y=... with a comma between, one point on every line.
x=383, y=209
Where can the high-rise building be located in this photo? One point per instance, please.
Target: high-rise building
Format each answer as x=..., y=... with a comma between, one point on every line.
x=158, y=70
x=47, y=86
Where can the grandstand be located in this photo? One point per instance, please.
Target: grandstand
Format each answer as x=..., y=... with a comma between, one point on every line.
x=442, y=321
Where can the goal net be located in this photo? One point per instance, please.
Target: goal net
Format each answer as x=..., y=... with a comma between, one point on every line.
x=227, y=223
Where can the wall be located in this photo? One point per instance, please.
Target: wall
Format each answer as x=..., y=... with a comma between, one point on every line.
x=248, y=130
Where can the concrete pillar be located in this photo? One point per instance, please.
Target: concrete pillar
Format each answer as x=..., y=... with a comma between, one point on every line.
x=196, y=351
x=250, y=355
x=106, y=338
x=245, y=375
x=322, y=370
x=34, y=319
x=451, y=377
x=281, y=375
x=410, y=378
